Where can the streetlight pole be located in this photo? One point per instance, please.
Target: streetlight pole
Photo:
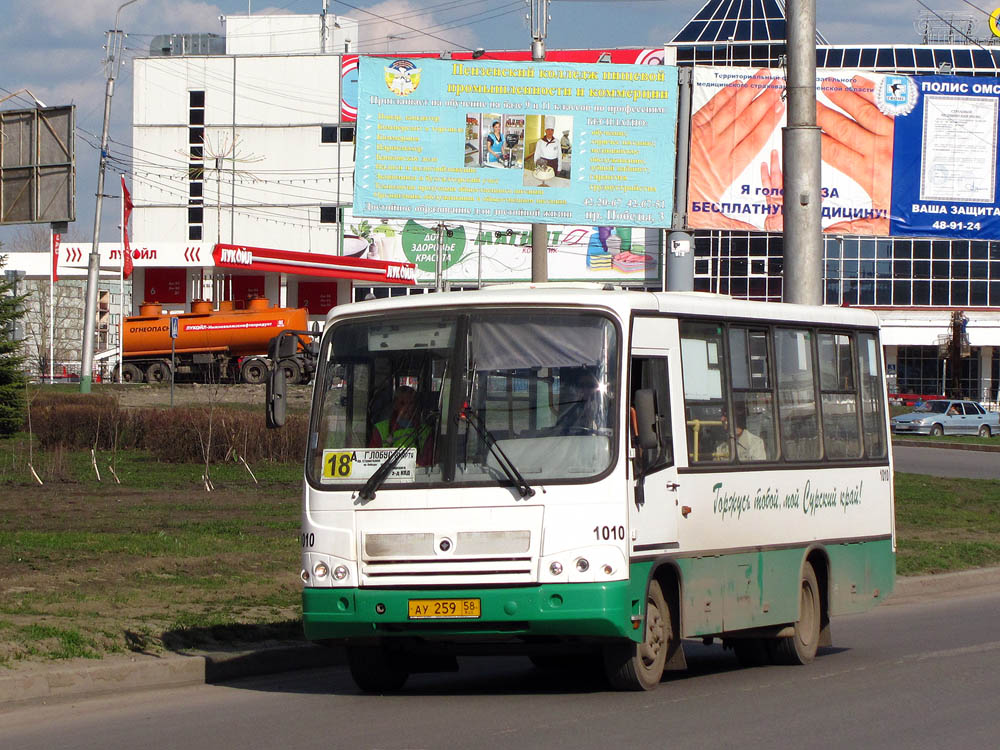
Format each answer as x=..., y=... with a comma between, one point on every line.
x=112, y=63
x=801, y=144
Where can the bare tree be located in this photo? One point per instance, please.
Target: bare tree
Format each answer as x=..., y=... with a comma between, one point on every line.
x=66, y=305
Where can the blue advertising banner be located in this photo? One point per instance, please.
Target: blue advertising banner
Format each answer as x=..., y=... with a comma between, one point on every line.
x=944, y=167
x=500, y=141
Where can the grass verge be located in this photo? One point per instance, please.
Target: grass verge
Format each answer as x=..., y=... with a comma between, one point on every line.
x=945, y=524
x=157, y=563
x=957, y=439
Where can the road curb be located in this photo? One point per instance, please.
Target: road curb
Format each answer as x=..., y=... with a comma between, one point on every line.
x=908, y=588
x=82, y=678
x=946, y=445
x=78, y=678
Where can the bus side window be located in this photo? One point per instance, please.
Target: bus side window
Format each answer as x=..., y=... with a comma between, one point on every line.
x=797, y=412
x=651, y=373
x=753, y=402
x=872, y=418
x=703, y=360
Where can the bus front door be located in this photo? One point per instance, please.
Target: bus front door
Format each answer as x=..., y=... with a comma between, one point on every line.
x=657, y=493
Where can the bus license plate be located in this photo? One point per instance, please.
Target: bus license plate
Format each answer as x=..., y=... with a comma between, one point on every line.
x=430, y=609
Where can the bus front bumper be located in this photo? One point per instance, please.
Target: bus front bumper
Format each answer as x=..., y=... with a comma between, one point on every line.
x=596, y=610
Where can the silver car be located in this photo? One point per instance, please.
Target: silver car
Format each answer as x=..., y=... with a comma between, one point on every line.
x=951, y=417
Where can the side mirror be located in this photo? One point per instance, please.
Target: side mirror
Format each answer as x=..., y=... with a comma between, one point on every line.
x=272, y=348
x=277, y=404
x=288, y=345
x=645, y=412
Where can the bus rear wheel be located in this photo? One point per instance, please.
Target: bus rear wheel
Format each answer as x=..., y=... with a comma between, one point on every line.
x=375, y=669
x=800, y=647
x=639, y=666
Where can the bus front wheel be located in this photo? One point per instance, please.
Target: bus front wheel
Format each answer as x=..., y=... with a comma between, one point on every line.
x=375, y=669
x=639, y=666
x=800, y=647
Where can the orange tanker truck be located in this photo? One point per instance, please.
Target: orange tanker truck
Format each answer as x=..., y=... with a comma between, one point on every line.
x=213, y=345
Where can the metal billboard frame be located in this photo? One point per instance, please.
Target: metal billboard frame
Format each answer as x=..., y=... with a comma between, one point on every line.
x=38, y=165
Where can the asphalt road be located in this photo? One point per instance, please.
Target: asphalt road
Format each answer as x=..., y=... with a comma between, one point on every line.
x=908, y=675
x=945, y=462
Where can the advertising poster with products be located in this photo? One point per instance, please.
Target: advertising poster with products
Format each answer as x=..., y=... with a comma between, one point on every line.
x=944, y=175
x=736, y=172
x=585, y=144
x=488, y=252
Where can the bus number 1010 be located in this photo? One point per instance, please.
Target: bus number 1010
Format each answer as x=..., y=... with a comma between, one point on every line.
x=607, y=533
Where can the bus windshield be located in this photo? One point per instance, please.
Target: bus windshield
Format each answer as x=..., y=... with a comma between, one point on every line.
x=450, y=393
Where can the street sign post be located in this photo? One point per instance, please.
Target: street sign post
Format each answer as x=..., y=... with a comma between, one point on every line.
x=174, y=330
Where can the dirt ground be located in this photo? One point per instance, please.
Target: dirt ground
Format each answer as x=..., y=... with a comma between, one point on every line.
x=186, y=394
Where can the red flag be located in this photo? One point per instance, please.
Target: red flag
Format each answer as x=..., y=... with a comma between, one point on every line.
x=126, y=213
x=56, y=239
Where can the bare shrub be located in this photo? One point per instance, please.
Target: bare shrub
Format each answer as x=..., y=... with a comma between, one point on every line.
x=171, y=435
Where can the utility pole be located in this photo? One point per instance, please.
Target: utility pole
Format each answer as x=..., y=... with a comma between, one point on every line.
x=801, y=144
x=539, y=20
x=111, y=63
x=439, y=258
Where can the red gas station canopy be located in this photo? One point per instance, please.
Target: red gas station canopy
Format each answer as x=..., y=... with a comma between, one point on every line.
x=314, y=264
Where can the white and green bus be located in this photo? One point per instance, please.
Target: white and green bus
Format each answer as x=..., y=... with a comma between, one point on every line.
x=572, y=473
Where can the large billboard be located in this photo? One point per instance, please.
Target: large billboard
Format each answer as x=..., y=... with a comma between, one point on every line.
x=37, y=165
x=901, y=155
x=647, y=56
x=736, y=169
x=516, y=142
x=944, y=170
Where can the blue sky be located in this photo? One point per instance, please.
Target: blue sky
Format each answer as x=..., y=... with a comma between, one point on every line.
x=54, y=48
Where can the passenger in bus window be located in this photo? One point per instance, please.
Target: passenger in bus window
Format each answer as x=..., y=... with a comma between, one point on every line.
x=749, y=447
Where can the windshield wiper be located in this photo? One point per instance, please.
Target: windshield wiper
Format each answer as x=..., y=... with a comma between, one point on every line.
x=516, y=478
x=385, y=468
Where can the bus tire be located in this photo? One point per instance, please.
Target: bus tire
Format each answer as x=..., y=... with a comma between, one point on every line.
x=375, y=670
x=639, y=666
x=800, y=648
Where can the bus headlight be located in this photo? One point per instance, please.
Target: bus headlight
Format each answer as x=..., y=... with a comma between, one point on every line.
x=321, y=570
x=340, y=572
x=556, y=568
x=304, y=575
x=582, y=565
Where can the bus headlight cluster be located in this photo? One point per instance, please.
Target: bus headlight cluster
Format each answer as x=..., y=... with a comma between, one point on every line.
x=556, y=568
x=582, y=565
x=340, y=572
x=321, y=570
